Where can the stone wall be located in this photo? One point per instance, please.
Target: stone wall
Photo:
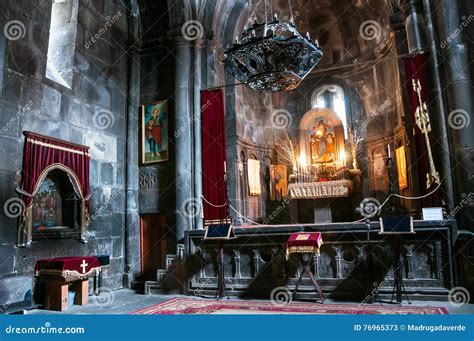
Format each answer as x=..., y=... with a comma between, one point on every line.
x=92, y=113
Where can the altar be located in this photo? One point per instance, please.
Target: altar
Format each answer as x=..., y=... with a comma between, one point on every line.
x=61, y=274
x=321, y=194
x=321, y=182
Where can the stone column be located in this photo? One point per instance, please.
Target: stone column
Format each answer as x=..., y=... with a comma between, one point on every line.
x=458, y=89
x=207, y=63
x=416, y=40
x=198, y=221
x=413, y=39
x=438, y=103
x=131, y=232
x=3, y=44
x=183, y=152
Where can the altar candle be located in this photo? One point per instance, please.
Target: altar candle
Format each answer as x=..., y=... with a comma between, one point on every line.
x=389, y=153
x=303, y=170
x=343, y=157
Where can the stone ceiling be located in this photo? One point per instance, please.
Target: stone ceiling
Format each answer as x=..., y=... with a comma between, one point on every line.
x=348, y=30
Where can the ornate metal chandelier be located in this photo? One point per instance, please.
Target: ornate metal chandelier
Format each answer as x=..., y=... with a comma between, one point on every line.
x=272, y=55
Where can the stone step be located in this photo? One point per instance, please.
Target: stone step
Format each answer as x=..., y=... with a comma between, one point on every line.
x=169, y=260
x=180, y=251
x=156, y=287
x=160, y=275
x=153, y=288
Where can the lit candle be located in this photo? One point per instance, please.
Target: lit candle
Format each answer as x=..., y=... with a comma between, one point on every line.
x=389, y=153
x=342, y=156
x=302, y=162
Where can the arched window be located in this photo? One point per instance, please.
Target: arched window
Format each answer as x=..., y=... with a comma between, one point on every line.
x=332, y=97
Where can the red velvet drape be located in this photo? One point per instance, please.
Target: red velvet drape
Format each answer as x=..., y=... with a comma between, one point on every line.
x=42, y=153
x=213, y=156
x=416, y=67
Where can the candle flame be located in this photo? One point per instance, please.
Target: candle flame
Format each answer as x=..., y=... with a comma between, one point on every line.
x=302, y=160
x=342, y=155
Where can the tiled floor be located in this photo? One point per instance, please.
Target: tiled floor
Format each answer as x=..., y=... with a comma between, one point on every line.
x=126, y=301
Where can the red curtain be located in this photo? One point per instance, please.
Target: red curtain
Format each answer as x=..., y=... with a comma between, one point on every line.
x=213, y=157
x=42, y=153
x=416, y=68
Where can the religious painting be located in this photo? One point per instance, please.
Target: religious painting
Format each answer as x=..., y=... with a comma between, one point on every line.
x=253, y=174
x=154, y=136
x=47, y=206
x=401, y=167
x=322, y=142
x=278, y=182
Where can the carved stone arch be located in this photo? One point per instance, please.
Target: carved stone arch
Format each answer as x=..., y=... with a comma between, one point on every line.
x=312, y=114
x=377, y=156
x=25, y=231
x=267, y=162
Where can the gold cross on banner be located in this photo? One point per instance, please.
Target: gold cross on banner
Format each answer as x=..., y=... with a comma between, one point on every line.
x=422, y=120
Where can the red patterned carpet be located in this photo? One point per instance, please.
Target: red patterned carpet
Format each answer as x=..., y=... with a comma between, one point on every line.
x=202, y=306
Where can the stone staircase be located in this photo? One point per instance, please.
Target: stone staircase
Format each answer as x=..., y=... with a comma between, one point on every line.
x=170, y=279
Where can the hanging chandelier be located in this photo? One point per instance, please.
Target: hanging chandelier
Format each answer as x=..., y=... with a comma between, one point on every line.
x=272, y=55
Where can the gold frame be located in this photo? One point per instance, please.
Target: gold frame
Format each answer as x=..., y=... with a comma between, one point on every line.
x=400, y=155
x=143, y=162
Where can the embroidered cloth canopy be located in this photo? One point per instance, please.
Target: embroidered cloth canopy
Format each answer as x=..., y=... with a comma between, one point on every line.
x=69, y=268
x=41, y=155
x=304, y=242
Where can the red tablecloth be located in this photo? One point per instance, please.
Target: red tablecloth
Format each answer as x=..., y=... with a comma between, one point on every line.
x=81, y=266
x=304, y=242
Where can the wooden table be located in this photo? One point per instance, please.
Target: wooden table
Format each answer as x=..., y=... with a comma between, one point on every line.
x=305, y=243
x=60, y=274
